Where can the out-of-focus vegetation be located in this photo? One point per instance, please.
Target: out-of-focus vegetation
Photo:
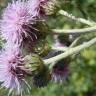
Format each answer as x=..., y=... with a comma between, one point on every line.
x=82, y=78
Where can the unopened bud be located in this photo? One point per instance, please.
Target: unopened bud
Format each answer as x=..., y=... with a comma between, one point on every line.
x=51, y=7
x=42, y=48
x=34, y=63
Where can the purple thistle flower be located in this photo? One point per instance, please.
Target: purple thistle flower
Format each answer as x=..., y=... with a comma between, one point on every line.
x=60, y=70
x=36, y=6
x=21, y=23
x=59, y=74
x=12, y=76
x=16, y=17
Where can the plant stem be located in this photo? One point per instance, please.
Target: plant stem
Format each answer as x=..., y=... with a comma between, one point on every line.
x=70, y=52
x=74, y=42
x=60, y=48
x=75, y=31
x=81, y=20
x=66, y=48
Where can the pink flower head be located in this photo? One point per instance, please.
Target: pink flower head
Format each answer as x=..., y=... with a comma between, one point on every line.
x=14, y=19
x=37, y=6
x=60, y=72
x=11, y=74
x=60, y=69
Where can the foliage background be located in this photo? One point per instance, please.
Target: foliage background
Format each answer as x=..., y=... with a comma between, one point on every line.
x=82, y=78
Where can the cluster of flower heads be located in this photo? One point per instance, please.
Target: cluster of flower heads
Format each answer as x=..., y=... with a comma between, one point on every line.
x=18, y=29
x=22, y=26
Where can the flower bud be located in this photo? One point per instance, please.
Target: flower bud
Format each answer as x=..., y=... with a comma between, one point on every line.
x=42, y=48
x=37, y=70
x=51, y=7
x=34, y=64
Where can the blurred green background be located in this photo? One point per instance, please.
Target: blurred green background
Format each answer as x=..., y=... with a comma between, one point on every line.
x=82, y=78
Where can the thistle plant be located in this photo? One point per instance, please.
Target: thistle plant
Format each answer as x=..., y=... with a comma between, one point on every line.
x=26, y=53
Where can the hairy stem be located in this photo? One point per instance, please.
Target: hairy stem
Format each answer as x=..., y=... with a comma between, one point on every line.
x=81, y=20
x=70, y=52
x=60, y=48
x=75, y=31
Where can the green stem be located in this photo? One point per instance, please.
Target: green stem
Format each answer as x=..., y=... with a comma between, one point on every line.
x=70, y=52
x=60, y=48
x=81, y=20
x=75, y=31
x=74, y=42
